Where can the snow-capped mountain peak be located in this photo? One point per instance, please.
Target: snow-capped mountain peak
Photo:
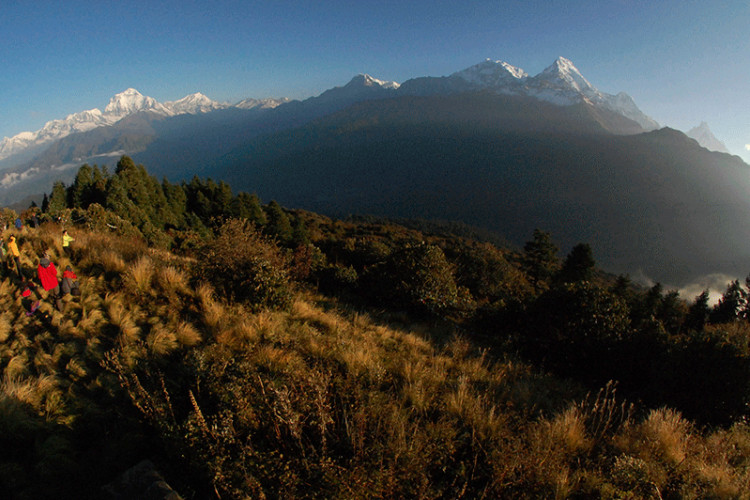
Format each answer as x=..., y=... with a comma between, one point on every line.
x=131, y=101
x=562, y=71
x=706, y=138
x=194, y=103
x=491, y=73
x=268, y=103
x=365, y=80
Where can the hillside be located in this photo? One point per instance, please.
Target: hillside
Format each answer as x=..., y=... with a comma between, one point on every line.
x=348, y=359
x=654, y=205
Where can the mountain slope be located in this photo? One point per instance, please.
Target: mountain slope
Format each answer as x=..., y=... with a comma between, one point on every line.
x=653, y=204
x=189, y=149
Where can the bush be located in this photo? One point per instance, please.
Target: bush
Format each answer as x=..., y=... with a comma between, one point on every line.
x=420, y=277
x=337, y=278
x=246, y=267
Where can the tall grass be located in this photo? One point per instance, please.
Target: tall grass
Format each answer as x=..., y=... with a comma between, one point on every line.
x=322, y=400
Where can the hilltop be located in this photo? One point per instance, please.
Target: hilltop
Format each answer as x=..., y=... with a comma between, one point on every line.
x=250, y=350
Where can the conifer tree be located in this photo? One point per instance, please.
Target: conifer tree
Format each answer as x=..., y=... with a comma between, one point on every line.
x=698, y=312
x=79, y=193
x=730, y=305
x=579, y=265
x=540, y=259
x=58, y=199
x=278, y=223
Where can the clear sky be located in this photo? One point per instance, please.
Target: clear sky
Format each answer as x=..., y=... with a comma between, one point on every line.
x=683, y=62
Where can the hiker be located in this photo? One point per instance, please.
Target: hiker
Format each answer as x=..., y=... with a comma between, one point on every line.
x=48, y=277
x=15, y=255
x=27, y=299
x=19, y=223
x=66, y=239
x=68, y=284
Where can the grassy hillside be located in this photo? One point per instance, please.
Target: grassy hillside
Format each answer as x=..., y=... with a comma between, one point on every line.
x=320, y=400
x=289, y=355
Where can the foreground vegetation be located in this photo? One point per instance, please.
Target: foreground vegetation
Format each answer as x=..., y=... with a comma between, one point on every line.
x=254, y=352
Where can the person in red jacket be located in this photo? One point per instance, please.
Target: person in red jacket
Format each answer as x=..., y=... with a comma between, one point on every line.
x=68, y=284
x=48, y=277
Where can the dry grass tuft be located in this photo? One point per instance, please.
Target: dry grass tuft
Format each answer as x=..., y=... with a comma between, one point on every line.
x=111, y=261
x=139, y=275
x=187, y=335
x=17, y=366
x=161, y=341
x=667, y=434
x=321, y=320
x=6, y=326
x=122, y=318
x=68, y=328
x=171, y=280
x=239, y=335
x=569, y=430
x=213, y=312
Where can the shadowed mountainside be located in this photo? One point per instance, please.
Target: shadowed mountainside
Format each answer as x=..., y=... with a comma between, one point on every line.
x=653, y=204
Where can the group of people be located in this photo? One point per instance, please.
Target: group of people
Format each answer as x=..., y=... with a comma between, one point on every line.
x=55, y=288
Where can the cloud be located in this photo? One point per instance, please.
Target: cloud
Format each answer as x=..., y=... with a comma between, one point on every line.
x=716, y=284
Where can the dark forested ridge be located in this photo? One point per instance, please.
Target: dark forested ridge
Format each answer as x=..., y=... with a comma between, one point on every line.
x=245, y=349
x=653, y=204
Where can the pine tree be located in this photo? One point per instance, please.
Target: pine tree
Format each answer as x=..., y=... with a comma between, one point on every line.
x=58, y=199
x=278, y=224
x=80, y=192
x=698, y=312
x=540, y=259
x=579, y=265
x=730, y=305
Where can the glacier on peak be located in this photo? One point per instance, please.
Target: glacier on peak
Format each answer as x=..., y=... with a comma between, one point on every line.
x=268, y=103
x=193, y=104
x=561, y=84
x=563, y=75
x=363, y=79
x=131, y=101
x=491, y=73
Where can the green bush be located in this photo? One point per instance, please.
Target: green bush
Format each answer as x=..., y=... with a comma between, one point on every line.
x=246, y=267
x=419, y=277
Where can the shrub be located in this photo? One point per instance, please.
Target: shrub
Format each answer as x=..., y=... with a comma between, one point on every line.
x=337, y=278
x=417, y=276
x=246, y=267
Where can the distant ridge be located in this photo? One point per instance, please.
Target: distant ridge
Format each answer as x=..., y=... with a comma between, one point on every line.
x=561, y=83
x=706, y=138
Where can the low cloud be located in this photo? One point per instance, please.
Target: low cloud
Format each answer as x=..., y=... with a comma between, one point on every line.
x=716, y=284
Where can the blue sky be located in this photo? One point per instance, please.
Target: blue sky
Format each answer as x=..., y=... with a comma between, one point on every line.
x=682, y=61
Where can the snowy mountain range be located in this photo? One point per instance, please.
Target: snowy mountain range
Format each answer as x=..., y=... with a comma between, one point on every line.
x=133, y=123
x=561, y=83
x=124, y=104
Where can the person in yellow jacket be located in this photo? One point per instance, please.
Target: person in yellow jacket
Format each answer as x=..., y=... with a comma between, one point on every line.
x=66, y=239
x=15, y=255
